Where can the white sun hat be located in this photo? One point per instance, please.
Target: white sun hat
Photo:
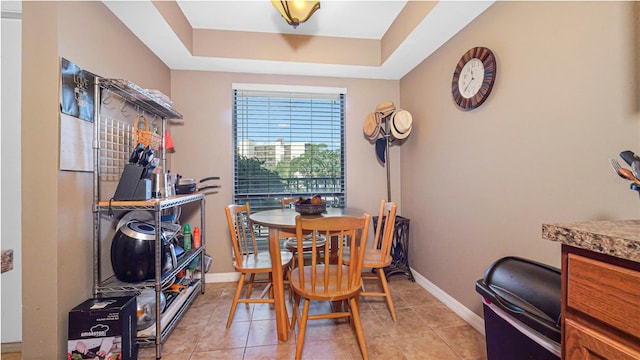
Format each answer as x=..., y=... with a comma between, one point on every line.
x=400, y=124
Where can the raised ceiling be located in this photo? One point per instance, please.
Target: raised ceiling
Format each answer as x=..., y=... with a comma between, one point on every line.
x=361, y=39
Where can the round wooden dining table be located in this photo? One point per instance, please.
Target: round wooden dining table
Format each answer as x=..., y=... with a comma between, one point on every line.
x=282, y=224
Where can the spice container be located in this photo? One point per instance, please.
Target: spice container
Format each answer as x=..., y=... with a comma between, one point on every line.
x=186, y=232
x=196, y=238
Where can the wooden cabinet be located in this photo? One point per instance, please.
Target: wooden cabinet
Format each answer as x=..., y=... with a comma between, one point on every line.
x=600, y=306
x=585, y=343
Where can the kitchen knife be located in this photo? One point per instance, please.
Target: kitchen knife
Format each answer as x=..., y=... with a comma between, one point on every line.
x=147, y=156
x=629, y=157
x=146, y=174
x=150, y=156
x=135, y=154
x=210, y=178
x=91, y=355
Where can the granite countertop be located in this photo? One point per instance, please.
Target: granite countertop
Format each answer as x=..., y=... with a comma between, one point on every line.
x=616, y=238
x=7, y=260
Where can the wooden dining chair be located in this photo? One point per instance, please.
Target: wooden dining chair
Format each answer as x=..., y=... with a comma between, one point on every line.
x=378, y=256
x=334, y=282
x=291, y=243
x=247, y=260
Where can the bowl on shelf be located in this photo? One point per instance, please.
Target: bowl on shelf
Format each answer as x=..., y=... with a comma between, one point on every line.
x=311, y=209
x=146, y=311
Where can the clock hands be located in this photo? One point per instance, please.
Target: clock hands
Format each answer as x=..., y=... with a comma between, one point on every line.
x=470, y=81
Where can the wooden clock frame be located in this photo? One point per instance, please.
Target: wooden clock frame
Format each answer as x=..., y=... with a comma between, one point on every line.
x=490, y=68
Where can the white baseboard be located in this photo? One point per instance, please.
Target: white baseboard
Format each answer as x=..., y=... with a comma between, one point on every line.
x=221, y=277
x=467, y=315
x=14, y=347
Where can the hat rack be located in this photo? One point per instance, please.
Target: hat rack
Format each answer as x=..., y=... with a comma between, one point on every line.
x=383, y=115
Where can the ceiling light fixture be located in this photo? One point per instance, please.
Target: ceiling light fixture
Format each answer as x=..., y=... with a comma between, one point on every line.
x=295, y=12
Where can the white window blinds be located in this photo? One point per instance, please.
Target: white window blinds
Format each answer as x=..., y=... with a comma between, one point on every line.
x=288, y=143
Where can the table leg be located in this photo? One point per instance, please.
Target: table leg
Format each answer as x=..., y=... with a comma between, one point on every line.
x=278, y=285
x=333, y=252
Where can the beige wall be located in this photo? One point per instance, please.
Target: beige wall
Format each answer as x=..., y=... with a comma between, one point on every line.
x=478, y=185
x=204, y=142
x=57, y=211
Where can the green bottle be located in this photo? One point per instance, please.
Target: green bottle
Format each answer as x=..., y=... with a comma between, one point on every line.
x=186, y=232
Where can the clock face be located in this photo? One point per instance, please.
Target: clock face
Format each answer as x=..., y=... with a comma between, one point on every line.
x=473, y=78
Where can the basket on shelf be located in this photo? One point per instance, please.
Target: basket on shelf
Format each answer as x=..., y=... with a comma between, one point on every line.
x=146, y=136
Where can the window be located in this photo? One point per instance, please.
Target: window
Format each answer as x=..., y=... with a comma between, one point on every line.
x=288, y=141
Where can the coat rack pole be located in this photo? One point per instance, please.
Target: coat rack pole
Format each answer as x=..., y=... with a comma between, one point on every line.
x=386, y=140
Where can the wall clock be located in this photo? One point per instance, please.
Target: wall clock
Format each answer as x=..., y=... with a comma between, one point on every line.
x=473, y=78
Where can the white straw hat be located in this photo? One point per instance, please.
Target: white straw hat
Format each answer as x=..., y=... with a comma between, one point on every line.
x=400, y=124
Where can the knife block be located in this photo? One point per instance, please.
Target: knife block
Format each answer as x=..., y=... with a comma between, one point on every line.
x=132, y=186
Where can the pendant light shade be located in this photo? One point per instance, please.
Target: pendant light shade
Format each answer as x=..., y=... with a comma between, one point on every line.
x=295, y=12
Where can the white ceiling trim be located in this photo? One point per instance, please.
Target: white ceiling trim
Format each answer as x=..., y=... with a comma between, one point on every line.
x=146, y=22
x=444, y=21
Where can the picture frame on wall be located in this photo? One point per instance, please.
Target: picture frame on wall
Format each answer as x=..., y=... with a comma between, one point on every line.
x=77, y=91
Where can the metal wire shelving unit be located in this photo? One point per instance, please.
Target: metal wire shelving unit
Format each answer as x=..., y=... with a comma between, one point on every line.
x=113, y=141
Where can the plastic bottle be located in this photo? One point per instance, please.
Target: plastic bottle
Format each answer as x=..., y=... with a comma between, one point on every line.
x=186, y=231
x=196, y=238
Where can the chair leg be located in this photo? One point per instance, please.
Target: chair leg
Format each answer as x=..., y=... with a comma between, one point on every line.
x=250, y=285
x=269, y=286
x=293, y=258
x=302, y=328
x=236, y=297
x=296, y=307
x=385, y=287
x=347, y=307
x=269, y=289
x=355, y=314
x=288, y=272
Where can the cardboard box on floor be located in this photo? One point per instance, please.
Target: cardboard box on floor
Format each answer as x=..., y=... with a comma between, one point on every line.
x=103, y=328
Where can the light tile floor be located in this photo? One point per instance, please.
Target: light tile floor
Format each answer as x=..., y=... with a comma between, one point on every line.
x=425, y=329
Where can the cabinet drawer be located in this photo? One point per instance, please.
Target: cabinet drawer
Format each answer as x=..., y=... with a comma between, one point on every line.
x=583, y=343
x=606, y=292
